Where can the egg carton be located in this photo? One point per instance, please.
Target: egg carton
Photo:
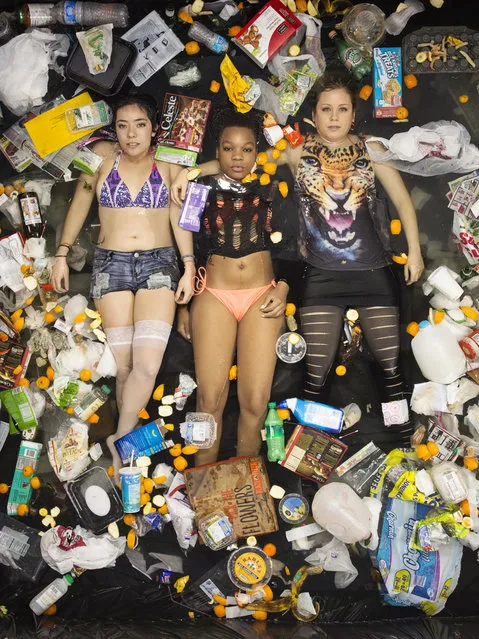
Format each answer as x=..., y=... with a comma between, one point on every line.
x=436, y=34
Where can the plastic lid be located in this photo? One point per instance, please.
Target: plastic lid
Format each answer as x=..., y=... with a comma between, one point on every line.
x=105, y=389
x=68, y=577
x=249, y=568
x=424, y=324
x=293, y=508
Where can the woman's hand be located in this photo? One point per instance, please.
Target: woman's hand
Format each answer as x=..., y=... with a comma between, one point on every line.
x=60, y=273
x=183, y=322
x=275, y=302
x=179, y=186
x=414, y=267
x=184, y=292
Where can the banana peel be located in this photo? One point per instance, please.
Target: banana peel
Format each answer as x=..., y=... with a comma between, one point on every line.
x=290, y=602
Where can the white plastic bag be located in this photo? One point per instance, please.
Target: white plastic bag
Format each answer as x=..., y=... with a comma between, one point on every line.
x=334, y=557
x=24, y=65
x=433, y=149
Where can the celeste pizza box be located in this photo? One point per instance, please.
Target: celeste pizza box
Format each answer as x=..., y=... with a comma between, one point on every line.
x=270, y=29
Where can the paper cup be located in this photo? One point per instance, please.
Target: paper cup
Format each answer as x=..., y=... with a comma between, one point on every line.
x=444, y=282
x=130, y=488
x=273, y=134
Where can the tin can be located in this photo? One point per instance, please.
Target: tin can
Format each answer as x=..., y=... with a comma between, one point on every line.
x=470, y=345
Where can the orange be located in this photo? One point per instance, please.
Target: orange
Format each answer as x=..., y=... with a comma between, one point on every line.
x=160, y=479
x=14, y=316
x=24, y=382
x=18, y=370
x=149, y=484
x=400, y=259
x=144, y=499
x=283, y=189
x=439, y=316
x=85, y=375
x=29, y=301
x=182, y=15
x=466, y=508
x=144, y=414
x=261, y=158
x=269, y=549
x=290, y=309
x=281, y=145
x=3, y=337
x=70, y=410
x=50, y=373
x=220, y=600
x=268, y=593
x=163, y=510
x=169, y=426
x=275, y=154
x=93, y=419
x=220, y=611
x=215, y=86
x=422, y=452
x=260, y=615
x=283, y=413
x=402, y=113
x=412, y=328
x=81, y=317
x=22, y=510
x=234, y=30
x=27, y=471
x=341, y=370
x=265, y=179
x=233, y=374
x=19, y=324
x=49, y=318
x=270, y=168
x=52, y=610
x=192, y=48
x=35, y=483
x=129, y=519
x=3, y=489
x=395, y=227
x=159, y=392
x=463, y=98
x=471, y=463
x=24, y=269
x=131, y=539
x=301, y=6
x=189, y=450
x=180, y=463
x=433, y=448
x=410, y=81
x=251, y=177
x=111, y=469
x=175, y=451
x=366, y=92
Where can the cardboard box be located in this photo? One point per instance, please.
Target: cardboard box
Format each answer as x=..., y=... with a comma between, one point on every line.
x=182, y=129
x=240, y=487
x=270, y=29
x=312, y=453
x=146, y=440
x=12, y=355
x=21, y=490
x=387, y=81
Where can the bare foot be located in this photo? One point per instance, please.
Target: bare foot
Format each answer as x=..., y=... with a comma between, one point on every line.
x=116, y=460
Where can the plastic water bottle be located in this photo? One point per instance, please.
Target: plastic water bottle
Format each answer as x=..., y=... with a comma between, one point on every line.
x=274, y=434
x=315, y=414
x=90, y=14
x=438, y=354
x=214, y=42
x=51, y=594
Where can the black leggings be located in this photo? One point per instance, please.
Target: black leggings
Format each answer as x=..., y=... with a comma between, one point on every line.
x=321, y=327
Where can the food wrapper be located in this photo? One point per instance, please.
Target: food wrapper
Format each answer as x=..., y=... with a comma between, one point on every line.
x=235, y=85
x=68, y=450
x=436, y=529
x=97, y=44
x=184, y=389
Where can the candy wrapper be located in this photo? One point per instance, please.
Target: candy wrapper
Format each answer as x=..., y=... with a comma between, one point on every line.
x=97, y=44
x=184, y=389
x=436, y=529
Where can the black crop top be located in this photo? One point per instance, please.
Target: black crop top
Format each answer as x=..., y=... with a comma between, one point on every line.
x=236, y=221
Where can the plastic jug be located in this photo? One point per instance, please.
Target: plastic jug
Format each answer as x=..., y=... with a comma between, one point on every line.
x=438, y=354
x=340, y=511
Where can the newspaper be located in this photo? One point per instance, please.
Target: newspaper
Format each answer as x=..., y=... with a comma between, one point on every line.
x=156, y=45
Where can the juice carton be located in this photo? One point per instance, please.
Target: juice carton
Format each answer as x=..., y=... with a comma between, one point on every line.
x=21, y=490
x=146, y=440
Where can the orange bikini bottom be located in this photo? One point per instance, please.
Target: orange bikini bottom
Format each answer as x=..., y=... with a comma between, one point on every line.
x=237, y=301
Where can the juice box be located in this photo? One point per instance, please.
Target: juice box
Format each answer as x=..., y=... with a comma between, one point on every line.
x=146, y=440
x=21, y=490
x=387, y=81
x=270, y=29
x=182, y=129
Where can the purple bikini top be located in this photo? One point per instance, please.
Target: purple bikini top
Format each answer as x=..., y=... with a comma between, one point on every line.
x=115, y=194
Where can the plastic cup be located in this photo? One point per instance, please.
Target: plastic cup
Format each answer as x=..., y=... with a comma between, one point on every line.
x=130, y=488
x=444, y=282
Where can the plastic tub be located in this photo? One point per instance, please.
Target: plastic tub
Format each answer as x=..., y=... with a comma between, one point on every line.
x=249, y=568
x=216, y=530
x=110, y=82
x=95, y=499
x=293, y=508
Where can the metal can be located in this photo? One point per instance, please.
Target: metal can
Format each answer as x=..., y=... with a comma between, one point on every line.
x=470, y=345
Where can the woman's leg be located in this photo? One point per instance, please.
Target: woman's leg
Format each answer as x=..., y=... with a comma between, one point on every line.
x=153, y=314
x=321, y=327
x=257, y=338
x=214, y=338
x=116, y=310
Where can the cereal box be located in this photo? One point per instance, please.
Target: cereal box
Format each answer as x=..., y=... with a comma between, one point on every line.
x=182, y=128
x=267, y=32
x=387, y=81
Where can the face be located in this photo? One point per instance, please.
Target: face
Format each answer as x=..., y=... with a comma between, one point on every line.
x=237, y=152
x=334, y=114
x=134, y=130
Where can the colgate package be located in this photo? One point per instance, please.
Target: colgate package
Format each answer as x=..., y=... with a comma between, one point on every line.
x=411, y=577
x=182, y=129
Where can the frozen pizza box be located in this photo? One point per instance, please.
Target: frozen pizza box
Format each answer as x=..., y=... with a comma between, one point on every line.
x=270, y=29
x=182, y=129
x=387, y=81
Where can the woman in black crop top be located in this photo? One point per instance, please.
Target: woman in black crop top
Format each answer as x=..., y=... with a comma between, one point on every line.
x=240, y=306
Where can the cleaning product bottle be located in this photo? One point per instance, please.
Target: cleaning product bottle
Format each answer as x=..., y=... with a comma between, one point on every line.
x=51, y=594
x=315, y=414
x=274, y=434
x=438, y=354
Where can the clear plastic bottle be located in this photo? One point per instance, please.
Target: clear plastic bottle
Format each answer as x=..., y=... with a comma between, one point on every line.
x=274, y=434
x=51, y=594
x=91, y=402
x=213, y=41
x=71, y=12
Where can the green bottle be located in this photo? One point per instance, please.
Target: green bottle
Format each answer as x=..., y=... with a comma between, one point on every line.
x=352, y=58
x=274, y=434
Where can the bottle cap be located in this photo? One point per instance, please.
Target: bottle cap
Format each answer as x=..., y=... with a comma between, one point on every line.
x=69, y=578
x=424, y=324
x=105, y=389
x=271, y=405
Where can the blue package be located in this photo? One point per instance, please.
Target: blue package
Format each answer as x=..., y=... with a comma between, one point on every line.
x=387, y=81
x=146, y=440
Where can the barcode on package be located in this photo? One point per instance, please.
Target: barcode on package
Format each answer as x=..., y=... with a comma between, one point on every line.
x=13, y=542
x=210, y=589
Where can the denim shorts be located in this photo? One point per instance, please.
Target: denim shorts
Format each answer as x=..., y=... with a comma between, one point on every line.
x=115, y=271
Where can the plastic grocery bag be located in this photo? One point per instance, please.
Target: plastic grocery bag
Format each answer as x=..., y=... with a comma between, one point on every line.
x=433, y=149
x=24, y=65
x=465, y=232
x=412, y=577
x=334, y=557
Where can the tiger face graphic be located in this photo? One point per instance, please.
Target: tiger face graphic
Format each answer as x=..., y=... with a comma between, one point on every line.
x=338, y=180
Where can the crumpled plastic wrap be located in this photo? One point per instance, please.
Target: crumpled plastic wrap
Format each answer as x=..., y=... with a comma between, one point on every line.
x=334, y=557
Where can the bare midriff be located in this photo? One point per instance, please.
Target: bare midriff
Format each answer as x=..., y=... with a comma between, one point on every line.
x=134, y=229
x=232, y=273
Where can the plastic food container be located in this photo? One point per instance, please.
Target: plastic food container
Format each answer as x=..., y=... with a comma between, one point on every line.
x=249, y=568
x=199, y=429
x=95, y=499
x=363, y=27
x=123, y=55
x=216, y=530
x=294, y=508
